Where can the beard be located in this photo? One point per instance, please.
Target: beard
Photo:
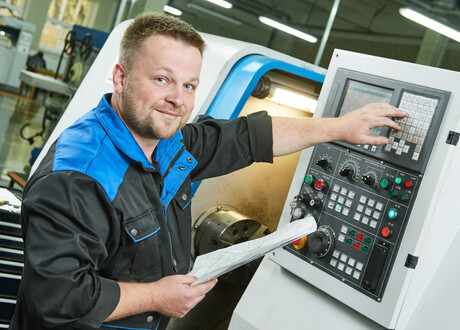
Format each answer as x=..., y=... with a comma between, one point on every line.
x=141, y=119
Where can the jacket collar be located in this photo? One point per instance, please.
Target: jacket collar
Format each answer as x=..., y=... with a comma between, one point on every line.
x=120, y=135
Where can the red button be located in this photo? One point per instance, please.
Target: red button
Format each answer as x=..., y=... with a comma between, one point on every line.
x=357, y=246
x=319, y=185
x=386, y=232
x=359, y=237
x=408, y=184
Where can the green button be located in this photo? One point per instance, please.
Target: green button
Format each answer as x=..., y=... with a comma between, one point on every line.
x=365, y=249
x=368, y=240
x=352, y=233
x=393, y=193
x=398, y=180
x=308, y=179
x=404, y=197
x=338, y=208
x=384, y=183
x=349, y=241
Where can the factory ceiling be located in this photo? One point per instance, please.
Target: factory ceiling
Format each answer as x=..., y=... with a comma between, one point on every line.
x=369, y=26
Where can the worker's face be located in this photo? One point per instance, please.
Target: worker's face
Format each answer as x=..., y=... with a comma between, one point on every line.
x=159, y=92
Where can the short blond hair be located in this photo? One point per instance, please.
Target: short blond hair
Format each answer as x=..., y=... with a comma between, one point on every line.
x=148, y=24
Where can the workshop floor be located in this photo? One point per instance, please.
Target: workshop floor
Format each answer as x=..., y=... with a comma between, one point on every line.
x=15, y=151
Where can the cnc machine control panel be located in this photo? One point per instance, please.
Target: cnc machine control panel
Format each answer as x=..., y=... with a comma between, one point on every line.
x=362, y=196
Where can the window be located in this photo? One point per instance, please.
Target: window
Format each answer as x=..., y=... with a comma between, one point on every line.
x=62, y=15
x=11, y=7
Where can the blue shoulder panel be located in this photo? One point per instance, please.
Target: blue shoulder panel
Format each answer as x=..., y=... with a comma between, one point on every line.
x=85, y=147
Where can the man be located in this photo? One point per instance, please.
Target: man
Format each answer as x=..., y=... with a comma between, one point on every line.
x=106, y=216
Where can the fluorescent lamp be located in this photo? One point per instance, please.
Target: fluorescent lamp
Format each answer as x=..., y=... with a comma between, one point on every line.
x=293, y=100
x=172, y=10
x=213, y=13
x=430, y=23
x=222, y=3
x=288, y=29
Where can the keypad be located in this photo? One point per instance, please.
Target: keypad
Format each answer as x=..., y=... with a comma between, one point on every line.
x=414, y=127
x=346, y=264
x=341, y=200
x=368, y=211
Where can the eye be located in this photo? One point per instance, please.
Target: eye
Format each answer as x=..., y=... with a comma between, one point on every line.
x=190, y=87
x=161, y=80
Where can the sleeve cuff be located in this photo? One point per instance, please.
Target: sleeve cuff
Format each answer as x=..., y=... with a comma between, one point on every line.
x=261, y=136
x=109, y=297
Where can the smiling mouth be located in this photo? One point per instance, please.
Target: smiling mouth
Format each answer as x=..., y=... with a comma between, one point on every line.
x=170, y=115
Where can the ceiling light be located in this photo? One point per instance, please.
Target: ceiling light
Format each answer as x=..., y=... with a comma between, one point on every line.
x=430, y=23
x=213, y=13
x=293, y=99
x=287, y=29
x=222, y=3
x=172, y=10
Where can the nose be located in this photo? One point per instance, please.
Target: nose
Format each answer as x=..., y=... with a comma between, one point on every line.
x=175, y=96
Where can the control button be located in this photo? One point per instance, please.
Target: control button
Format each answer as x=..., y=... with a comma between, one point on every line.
x=368, y=240
x=392, y=214
x=336, y=188
x=349, y=241
x=359, y=237
x=394, y=193
x=309, y=179
x=341, y=266
x=365, y=249
x=385, y=183
x=386, y=232
x=344, y=257
x=398, y=180
x=359, y=266
x=320, y=185
x=351, y=194
x=344, y=229
x=357, y=216
x=333, y=262
x=336, y=253
x=352, y=233
x=365, y=220
x=338, y=208
x=404, y=198
x=348, y=270
x=371, y=202
x=357, y=245
x=379, y=206
x=373, y=224
x=333, y=196
x=362, y=199
x=351, y=262
x=347, y=172
x=341, y=238
x=408, y=184
x=356, y=274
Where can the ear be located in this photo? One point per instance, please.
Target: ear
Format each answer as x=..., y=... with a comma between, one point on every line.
x=119, y=78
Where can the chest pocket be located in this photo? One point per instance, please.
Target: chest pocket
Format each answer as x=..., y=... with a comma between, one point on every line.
x=142, y=226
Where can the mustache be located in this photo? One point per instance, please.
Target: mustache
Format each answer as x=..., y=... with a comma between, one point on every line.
x=168, y=108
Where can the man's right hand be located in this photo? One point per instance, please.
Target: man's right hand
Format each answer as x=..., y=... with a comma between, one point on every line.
x=172, y=296
x=175, y=296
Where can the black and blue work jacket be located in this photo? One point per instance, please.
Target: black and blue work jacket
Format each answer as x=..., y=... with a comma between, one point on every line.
x=97, y=211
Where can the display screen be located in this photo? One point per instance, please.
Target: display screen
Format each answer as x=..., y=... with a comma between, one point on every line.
x=359, y=94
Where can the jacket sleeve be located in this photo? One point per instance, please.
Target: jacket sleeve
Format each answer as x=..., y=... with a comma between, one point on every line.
x=67, y=237
x=223, y=146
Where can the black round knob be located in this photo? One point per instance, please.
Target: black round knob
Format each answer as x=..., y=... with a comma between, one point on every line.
x=321, y=241
x=324, y=163
x=346, y=171
x=368, y=179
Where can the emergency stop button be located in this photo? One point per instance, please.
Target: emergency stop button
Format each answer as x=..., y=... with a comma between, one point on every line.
x=320, y=185
x=386, y=232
